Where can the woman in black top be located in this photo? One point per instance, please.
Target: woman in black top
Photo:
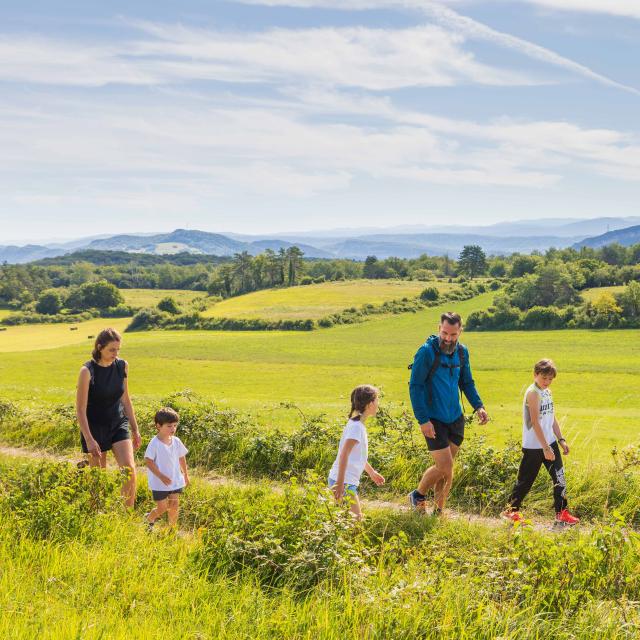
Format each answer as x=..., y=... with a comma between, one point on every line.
x=105, y=413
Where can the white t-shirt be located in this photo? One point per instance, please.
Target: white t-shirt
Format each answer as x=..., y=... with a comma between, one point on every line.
x=529, y=438
x=354, y=430
x=167, y=459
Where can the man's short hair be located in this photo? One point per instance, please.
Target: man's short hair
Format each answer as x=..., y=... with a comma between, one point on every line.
x=546, y=367
x=451, y=317
x=166, y=415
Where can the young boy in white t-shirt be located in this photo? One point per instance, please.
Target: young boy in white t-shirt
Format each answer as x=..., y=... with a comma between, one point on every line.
x=353, y=451
x=166, y=467
x=540, y=439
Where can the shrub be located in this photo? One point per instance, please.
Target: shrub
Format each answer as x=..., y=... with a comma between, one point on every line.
x=543, y=318
x=49, y=302
x=306, y=280
x=430, y=293
x=168, y=305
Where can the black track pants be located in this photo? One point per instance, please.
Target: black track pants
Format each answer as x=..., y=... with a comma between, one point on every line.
x=532, y=460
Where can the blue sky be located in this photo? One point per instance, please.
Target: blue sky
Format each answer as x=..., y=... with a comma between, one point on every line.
x=259, y=116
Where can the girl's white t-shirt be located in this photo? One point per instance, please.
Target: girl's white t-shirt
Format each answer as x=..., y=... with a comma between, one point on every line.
x=167, y=459
x=529, y=438
x=354, y=430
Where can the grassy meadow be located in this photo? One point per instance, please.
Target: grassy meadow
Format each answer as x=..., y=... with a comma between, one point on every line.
x=595, y=393
x=151, y=297
x=318, y=300
x=594, y=293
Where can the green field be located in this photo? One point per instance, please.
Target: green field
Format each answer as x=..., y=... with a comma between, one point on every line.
x=593, y=294
x=5, y=312
x=596, y=393
x=151, y=297
x=30, y=337
x=317, y=300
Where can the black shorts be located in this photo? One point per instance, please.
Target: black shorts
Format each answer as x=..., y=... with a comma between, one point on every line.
x=446, y=433
x=106, y=435
x=163, y=495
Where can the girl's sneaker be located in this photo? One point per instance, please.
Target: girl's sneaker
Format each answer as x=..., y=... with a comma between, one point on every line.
x=147, y=523
x=564, y=518
x=513, y=516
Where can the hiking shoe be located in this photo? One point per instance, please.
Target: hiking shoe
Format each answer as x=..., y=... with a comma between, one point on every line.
x=566, y=519
x=513, y=516
x=419, y=504
x=148, y=524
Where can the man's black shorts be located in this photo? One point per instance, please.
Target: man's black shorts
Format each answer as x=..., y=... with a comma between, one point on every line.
x=446, y=433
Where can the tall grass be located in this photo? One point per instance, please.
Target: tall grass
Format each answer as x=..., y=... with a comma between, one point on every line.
x=396, y=576
x=225, y=441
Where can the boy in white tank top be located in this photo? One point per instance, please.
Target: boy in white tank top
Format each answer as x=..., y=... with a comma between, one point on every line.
x=541, y=442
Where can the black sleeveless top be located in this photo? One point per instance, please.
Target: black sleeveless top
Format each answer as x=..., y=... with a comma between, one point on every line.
x=104, y=402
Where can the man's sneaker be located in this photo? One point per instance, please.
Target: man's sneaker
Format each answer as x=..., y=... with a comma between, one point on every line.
x=566, y=519
x=417, y=503
x=513, y=516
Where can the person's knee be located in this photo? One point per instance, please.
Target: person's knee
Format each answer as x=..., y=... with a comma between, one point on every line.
x=445, y=469
x=161, y=506
x=174, y=503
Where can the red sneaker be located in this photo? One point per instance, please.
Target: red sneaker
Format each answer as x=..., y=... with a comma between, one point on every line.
x=513, y=516
x=564, y=517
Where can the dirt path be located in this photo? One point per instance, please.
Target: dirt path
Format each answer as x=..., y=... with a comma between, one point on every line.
x=217, y=480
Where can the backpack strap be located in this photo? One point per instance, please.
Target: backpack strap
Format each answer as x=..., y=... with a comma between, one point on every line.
x=432, y=372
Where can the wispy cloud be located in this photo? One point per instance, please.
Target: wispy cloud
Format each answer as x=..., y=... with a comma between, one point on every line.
x=473, y=29
x=375, y=59
x=626, y=8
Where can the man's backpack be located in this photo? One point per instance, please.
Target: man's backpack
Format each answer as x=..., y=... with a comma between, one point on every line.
x=436, y=364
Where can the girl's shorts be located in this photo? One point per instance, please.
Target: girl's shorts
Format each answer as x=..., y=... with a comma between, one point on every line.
x=348, y=488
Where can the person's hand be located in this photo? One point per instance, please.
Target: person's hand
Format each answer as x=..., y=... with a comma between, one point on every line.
x=565, y=446
x=548, y=454
x=94, y=448
x=428, y=430
x=377, y=478
x=483, y=416
x=338, y=491
x=136, y=439
x=165, y=479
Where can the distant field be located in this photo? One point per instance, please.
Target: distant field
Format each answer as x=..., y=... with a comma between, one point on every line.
x=317, y=300
x=151, y=297
x=28, y=337
x=596, y=396
x=596, y=292
x=5, y=312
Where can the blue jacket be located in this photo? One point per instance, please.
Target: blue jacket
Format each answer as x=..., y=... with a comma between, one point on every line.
x=445, y=405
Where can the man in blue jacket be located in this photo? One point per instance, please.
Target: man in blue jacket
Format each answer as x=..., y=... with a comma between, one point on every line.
x=440, y=368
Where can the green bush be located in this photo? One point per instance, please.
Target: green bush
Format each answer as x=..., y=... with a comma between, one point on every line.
x=430, y=293
x=168, y=305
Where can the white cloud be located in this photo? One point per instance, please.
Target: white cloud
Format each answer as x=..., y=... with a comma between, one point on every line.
x=626, y=8
x=375, y=59
x=473, y=29
x=198, y=151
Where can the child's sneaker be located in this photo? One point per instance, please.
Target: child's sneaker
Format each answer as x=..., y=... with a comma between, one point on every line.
x=148, y=524
x=417, y=503
x=513, y=516
x=564, y=518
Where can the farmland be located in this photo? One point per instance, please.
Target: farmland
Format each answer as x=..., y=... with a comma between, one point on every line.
x=318, y=300
x=255, y=372
x=151, y=297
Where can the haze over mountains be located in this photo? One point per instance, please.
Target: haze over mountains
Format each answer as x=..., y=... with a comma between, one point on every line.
x=405, y=241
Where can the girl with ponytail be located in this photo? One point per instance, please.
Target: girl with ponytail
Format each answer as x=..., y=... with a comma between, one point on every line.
x=351, y=460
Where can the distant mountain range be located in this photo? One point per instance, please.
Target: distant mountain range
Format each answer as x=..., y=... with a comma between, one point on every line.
x=402, y=241
x=625, y=237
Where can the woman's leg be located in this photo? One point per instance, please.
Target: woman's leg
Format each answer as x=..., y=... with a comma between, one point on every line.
x=98, y=461
x=355, y=505
x=123, y=453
